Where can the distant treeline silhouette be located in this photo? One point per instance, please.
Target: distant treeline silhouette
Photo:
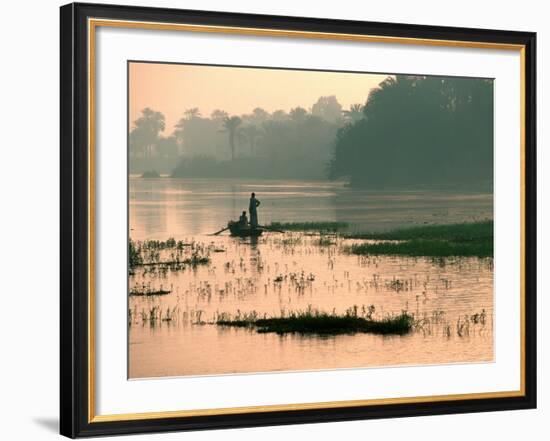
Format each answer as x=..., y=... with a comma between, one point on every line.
x=296, y=144
x=412, y=131
x=419, y=130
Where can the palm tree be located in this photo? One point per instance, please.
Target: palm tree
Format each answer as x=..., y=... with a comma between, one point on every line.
x=279, y=115
x=180, y=129
x=230, y=125
x=146, y=130
x=260, y=115
x=327, y=108
x=389, y=93
x=251, y=133
x=218, y=115
x=192, y=113
x=354, y=114
x=298, y=114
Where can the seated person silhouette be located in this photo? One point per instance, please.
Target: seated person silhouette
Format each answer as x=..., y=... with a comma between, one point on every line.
x=243, y=220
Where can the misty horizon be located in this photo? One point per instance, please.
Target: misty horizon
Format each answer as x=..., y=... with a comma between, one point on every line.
x=172, y=88
x=373, y=131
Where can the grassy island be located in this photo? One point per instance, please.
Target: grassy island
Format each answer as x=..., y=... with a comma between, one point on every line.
x=324, y=324
x=466, y=239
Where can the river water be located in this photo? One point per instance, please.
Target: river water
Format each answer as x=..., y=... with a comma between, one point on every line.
x=281, y=273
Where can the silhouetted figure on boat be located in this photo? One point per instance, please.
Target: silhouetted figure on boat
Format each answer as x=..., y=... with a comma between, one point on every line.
x=243, y=220
x=242, y=228
x=252, y=209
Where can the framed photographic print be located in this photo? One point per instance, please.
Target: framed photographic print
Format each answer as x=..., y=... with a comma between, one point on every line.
x=275, y=220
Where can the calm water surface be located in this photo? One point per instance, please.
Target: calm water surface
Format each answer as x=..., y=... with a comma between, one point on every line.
x=279, y=273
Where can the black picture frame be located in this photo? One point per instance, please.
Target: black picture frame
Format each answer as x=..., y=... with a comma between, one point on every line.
x=75, y=420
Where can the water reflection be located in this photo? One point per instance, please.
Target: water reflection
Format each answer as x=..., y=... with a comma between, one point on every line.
x=279, y=273
x=176, y=207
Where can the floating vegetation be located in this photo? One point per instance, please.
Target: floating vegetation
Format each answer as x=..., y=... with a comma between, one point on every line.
x=466, y=239
x=321, y=323
x=421, y=247
x=298, y=281
x=314, y=322
x=309, y=226
x=326, y=241
x=479, y=317
x=169, y=255
x=397, y=285
x=196, y=259
x=147, y=292
x=170, y=243
x=154, y=315
x=462, y=232
x=288, y=240
x=259, y=292
x=134, y=256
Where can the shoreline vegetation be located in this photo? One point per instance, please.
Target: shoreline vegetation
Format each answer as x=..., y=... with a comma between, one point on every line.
x=309, y=226
x=440, y=241
x=445, y=240
x=464, y=239
x=321, y=323
x=468, y=239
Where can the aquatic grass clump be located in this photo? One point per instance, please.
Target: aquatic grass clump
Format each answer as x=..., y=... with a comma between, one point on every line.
x=134, y=256
x=291, y=241
x=196, y=259
x=168, y=255
x=148, y=292
x=420, y=247
x=170, y=243
x=320, y=323
x=309, y=226
x=465, y=239
x=325, y=241
x=459, y=233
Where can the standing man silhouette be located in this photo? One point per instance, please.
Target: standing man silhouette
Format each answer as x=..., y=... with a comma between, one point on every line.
x=252, y=209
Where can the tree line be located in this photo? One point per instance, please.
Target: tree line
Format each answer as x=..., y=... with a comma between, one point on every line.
x=294, y=144
x=411, y=131
x=417, y=130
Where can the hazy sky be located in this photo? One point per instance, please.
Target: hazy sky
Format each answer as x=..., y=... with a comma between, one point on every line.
x=173, y=88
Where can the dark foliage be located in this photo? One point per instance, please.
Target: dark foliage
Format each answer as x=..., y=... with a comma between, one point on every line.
x=326, y=324
x=420, y=131
x=466, y=239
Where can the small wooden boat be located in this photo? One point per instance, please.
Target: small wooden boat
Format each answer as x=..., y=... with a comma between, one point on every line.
x=237, y=229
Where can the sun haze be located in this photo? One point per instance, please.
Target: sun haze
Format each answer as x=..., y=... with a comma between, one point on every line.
x=173, y=88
